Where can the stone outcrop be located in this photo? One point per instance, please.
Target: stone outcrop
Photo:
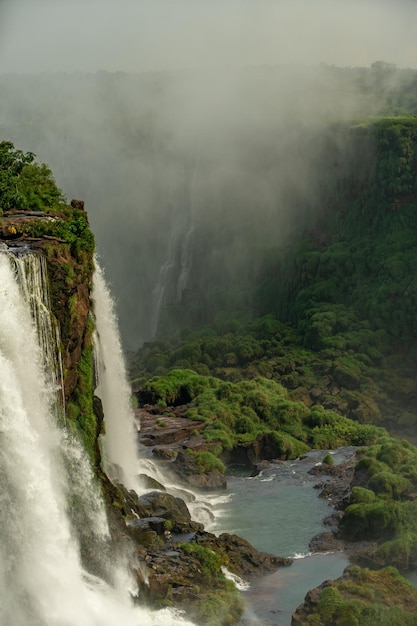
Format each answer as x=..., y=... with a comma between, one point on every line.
x=359, y=596
x=241, y=557
x=335, y=484
x=172, y=437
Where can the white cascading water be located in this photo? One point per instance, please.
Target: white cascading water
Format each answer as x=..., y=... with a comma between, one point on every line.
x=32, y=276
x=42, y=580
x=120, y=440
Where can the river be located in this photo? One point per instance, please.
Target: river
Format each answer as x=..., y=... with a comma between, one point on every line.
x=279, y=511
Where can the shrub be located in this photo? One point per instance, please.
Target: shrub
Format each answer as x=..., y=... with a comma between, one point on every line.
x=330, y=601
x=211, y=562
x=362, y=495
x=208, y=462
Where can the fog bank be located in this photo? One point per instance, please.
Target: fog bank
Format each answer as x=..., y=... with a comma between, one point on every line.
x=154, y=35
x=197, y=146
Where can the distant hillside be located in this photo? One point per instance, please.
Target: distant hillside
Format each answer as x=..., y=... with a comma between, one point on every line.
x=340, y=300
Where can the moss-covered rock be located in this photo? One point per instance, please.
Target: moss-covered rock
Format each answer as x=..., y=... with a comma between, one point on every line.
x=360, y=597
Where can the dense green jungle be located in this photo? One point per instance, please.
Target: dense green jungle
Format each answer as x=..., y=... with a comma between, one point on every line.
x=296, y=330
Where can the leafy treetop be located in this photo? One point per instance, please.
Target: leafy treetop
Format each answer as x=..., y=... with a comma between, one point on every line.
x=25, y=184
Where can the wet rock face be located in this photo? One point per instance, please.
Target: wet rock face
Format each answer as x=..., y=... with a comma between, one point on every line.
x=169, y=508
x=71, y=304
x=175, y=561
x=70, y=281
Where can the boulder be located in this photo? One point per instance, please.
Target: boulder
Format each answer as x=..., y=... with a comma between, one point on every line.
x=165, y=506
x=243, y=559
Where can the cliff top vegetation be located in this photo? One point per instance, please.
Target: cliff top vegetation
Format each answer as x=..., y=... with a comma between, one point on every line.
x=25, y=184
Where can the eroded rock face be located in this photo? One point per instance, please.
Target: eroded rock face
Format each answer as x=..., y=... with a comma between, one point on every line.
x=70, y=284
x=71, y=305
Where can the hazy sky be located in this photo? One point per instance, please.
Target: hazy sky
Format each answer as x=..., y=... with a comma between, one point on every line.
x=138, y=35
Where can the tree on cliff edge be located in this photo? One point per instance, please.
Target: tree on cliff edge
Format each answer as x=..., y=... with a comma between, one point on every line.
x=25, y=184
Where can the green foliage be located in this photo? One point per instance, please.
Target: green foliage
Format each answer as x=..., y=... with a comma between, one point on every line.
x=72, y=228
x=330, y=430
x=208, y=462
x=392, y=464
x=237, y=413
x=383, y=510
x=389, y=483
x=223, y=608
x=221, y=604
x=400, y=552
x=287, y=447
x=37, y=188
x=12, y=162
x=80, y=412
x=364, y=597
x=24, y=184
x=360, y=494
x=211, y=562
x=369, y=262
x=223, y=437
x=330, y=600
x=177, y=387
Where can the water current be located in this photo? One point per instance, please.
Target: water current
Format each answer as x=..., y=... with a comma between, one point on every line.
x=279, y=511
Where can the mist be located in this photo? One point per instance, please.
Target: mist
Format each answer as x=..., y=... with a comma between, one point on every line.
x=192, y=129
x=154, y=35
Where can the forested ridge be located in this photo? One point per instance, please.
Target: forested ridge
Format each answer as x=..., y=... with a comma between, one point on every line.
x=339, y=299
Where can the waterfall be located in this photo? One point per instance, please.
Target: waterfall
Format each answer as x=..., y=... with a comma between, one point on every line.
x=174, y=272
x=42, y=580
x=120, y=439
x=32, y=277
x=120, y=442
